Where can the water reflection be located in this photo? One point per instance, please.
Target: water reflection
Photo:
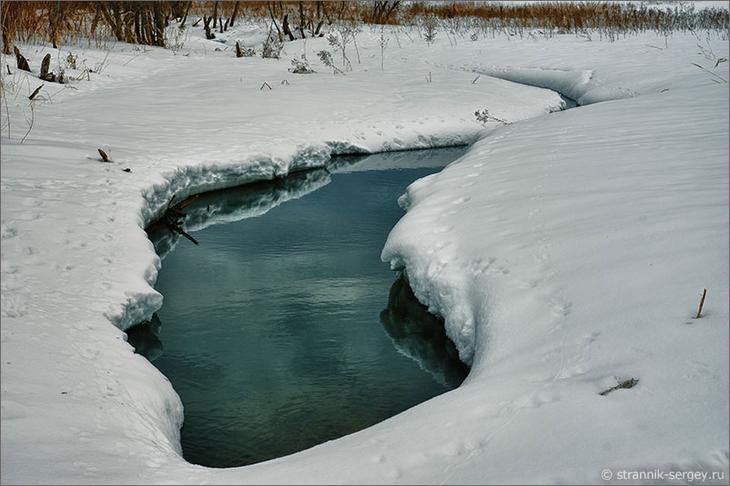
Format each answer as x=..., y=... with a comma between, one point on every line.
x=255, y=199
x=415, y=332
x=237, y=203
x=145, y=338
x=274, y=336
x=406, y=159
x=421, y=336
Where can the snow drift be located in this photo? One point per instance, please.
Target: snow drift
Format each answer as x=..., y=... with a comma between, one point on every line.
x=564, y=252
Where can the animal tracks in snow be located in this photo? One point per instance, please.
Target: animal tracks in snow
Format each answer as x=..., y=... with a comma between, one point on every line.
x=560, y=307
x=7, y=231
x=12, y=305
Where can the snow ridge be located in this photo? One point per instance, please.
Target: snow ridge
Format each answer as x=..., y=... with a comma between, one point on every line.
x=189, y=180
x=578, y=85
x=443, y=293
x=211, y=210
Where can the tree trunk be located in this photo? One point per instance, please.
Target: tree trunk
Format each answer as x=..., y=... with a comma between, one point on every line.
x=159, y=26
x=273, y=19
x=117, y=11
x=285, y=27
x=206, y=25
x=234, y=14
x=301, y=20
x=102, y=8
x=54, y=17
x=147, y=28
x=128, y=26
x=185, y=17
x=7, y=10
x=138, y=25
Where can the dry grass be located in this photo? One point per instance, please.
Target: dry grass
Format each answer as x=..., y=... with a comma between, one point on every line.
x=145, y=22
x=47, y=20
x=60, y=21
x=575, y=16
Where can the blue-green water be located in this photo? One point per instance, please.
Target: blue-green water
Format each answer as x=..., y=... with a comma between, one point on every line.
x=283, y=330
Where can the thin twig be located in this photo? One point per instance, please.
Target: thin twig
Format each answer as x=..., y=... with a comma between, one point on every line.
x=7, y=111
x=32, y=119
x=710, y=72
x=143, y=51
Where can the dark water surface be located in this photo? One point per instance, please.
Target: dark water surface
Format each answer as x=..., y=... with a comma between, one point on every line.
x=283, y=329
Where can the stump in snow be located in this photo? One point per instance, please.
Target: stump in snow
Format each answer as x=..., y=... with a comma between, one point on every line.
x=45, y=66
x=20, y=60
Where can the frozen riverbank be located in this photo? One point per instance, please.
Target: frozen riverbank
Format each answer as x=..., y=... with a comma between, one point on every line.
x=549, y=281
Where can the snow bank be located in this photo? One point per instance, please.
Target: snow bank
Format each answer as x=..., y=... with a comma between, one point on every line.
x=572, y=84
x=251, y=200
x=550, y=283
x=575, y=265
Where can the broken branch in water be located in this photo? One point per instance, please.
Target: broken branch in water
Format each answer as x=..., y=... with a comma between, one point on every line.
x=174, y=217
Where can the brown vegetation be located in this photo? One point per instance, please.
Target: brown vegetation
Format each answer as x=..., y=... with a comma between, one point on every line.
x=145, y=22
x=571, y=16
x=54, y=21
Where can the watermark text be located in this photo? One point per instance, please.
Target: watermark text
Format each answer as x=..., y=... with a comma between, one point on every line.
x=661, y=475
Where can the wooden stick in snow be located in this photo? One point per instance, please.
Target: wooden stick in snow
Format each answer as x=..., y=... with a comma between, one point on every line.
x=702, y=303
x=35, y=92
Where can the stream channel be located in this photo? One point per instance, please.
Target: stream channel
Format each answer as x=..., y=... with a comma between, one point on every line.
x=283, y=329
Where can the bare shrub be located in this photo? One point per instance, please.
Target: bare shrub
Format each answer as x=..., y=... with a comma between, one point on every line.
x=272, y=47
x=326, y=58
x=485, y=117
x=300, y=66
x=429, y=24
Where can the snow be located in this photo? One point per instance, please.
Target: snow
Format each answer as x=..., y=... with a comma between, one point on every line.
x=566, y=252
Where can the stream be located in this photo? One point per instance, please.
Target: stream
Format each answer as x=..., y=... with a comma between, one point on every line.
x=283, y=329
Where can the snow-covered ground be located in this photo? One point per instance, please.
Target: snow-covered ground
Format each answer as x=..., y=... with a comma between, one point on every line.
x=566, y=252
